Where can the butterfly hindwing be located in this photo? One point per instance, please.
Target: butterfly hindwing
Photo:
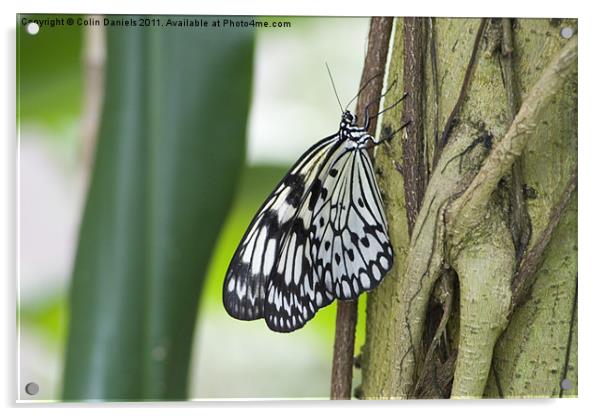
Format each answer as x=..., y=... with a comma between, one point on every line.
x=354, y=245
x=338, y=248
x=367, y=227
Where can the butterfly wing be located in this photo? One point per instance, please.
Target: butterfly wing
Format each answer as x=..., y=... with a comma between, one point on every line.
x=295, y=289
x=338, y=245
x=244, y=290
x=356, y=248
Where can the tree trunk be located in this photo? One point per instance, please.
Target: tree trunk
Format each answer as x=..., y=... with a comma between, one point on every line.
x=480, y=194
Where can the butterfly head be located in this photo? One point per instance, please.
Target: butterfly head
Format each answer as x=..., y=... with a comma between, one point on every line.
x=348, y=119
x=356, y=135
x=348, y=123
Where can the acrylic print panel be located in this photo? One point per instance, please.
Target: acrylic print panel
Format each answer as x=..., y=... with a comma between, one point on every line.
x=148, y=145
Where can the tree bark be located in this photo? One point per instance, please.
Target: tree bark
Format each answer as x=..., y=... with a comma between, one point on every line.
x=499, y=210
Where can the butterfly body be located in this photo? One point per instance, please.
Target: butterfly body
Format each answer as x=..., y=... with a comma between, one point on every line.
x=321, y=235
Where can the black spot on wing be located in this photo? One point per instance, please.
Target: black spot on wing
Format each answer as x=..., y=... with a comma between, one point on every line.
x=296, y=186
x=270, y=221
x=354, y=238
x=299, y=229
x=324, y=193
x=316, y=189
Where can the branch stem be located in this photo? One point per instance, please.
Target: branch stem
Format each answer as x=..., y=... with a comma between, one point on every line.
x=374, y=64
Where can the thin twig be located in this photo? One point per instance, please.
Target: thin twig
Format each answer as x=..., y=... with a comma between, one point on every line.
x=435, y=75
x=439, y=332
x=520, y=222
x=374, y=63
x=523, y=279
x=463, y=93
x=442, y=375
x=567, y=357
x=413, y=167
x=496, y=378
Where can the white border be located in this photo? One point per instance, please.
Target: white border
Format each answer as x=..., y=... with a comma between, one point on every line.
x=460, y=8
x=589, y=151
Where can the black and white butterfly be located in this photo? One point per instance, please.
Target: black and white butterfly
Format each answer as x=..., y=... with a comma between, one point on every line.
x=321, y=235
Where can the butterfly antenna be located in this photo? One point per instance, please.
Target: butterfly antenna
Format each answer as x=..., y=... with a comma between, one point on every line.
x=384, y=110
x=376, y=102
x=333, y=87
x=363, y=87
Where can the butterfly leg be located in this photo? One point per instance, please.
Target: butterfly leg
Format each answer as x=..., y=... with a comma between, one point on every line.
x=388, y=137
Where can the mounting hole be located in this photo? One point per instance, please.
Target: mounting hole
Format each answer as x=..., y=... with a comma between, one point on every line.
x=32, y=389
x=567, y=32
x=32, y=28
x=566, y=384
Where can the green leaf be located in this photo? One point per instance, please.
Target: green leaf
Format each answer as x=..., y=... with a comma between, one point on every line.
x=170, y=151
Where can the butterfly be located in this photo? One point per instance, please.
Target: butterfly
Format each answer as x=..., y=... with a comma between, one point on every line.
x=320, y=235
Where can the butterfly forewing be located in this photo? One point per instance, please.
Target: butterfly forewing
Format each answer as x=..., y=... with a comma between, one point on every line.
x=244, y=291
x=295, y=289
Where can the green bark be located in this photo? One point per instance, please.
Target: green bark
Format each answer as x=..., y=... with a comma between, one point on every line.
x=474, y=235
x=533, y=356
x=484, y=266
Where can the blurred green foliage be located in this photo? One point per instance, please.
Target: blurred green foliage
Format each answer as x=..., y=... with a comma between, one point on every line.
x=47, y=316
x=49, y=73
x=170, y=150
